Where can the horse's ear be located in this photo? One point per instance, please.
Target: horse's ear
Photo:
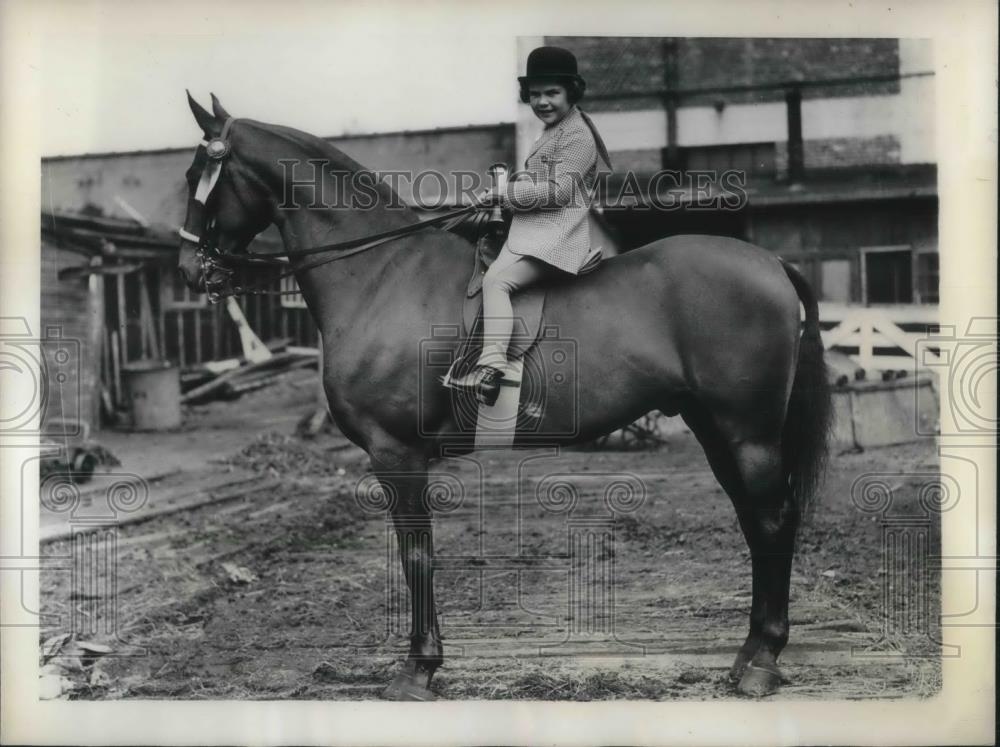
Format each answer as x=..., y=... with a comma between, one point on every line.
x=208, y=124
x=220, y=113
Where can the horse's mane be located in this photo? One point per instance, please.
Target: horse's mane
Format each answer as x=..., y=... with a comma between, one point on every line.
x=468, y=228
x=312, y=145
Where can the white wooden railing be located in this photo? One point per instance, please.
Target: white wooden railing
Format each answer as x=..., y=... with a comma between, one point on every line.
x=868, y=328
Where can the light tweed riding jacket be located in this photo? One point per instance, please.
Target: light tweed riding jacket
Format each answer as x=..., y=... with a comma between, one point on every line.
x=550, y=199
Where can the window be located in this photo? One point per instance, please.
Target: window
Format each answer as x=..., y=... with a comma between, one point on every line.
x=927, y=277
x=835, y=280
x=887, y=274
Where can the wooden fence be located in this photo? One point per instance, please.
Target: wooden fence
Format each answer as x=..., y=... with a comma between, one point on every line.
x=879, y=337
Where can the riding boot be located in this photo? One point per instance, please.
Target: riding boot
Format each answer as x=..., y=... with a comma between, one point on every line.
x=483, y=381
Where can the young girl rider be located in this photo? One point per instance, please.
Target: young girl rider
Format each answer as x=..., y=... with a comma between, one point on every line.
x=549, y=201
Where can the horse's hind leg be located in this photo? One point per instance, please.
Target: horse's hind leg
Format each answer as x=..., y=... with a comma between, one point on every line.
x=726, y=471
x=751, y=473
x=774, y=520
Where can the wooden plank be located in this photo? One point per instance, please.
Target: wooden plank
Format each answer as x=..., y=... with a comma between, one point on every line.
x=897, y=313
x=879, y=338
x=257, y=381
x=253, y=348
x=278, y=362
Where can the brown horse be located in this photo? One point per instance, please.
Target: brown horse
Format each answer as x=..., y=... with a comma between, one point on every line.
x=705, y=327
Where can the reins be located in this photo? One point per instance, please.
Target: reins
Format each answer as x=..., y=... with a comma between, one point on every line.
x=217, y=268
x=217, y=262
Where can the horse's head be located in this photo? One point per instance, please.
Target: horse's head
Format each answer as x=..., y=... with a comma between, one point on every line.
x=227, y=205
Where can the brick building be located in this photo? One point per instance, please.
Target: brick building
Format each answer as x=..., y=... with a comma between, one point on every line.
x=835, y=137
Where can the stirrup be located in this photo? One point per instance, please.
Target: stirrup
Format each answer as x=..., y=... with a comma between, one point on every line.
x=483, y=381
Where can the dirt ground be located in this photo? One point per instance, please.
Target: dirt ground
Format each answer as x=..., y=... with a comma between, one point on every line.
x=291, y=589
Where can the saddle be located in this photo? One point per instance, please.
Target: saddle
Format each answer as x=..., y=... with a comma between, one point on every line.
x=528, y=304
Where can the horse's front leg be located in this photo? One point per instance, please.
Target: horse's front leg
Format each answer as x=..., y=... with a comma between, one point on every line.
x=404, y=478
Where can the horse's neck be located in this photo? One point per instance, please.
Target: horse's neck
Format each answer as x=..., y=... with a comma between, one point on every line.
x=340, y=293
x=336, y=288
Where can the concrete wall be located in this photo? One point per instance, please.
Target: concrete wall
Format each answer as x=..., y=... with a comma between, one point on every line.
x=868, y=415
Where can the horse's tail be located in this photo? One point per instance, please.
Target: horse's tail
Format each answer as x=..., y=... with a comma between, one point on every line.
x=809, y=418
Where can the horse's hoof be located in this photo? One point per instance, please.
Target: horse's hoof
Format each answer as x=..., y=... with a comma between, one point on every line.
x=759, y=680
x=736, y=671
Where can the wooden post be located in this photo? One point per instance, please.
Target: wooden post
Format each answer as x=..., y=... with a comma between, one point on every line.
x=275, y=315
x=796, y=149
x=95, y=338
x=198, y=357
x=216, y=320
x=146, y=314
x=161, y=324
x=181, y=352
x=122, y=318
x=165, y=290
x=866, y=344
x=108, y=377
x=116, y=365
x=254, y=350
x=258, y=321
x=672, y=160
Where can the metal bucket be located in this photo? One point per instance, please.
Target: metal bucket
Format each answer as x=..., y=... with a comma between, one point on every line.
x=153, y=389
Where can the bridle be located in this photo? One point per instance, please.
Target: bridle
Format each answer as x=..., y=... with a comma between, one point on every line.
x=219, y=270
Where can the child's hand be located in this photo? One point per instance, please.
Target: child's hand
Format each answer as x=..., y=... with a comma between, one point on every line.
x=488, y=199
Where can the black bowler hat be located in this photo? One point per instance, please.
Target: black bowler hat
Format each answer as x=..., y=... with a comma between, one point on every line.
x=548, y=63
